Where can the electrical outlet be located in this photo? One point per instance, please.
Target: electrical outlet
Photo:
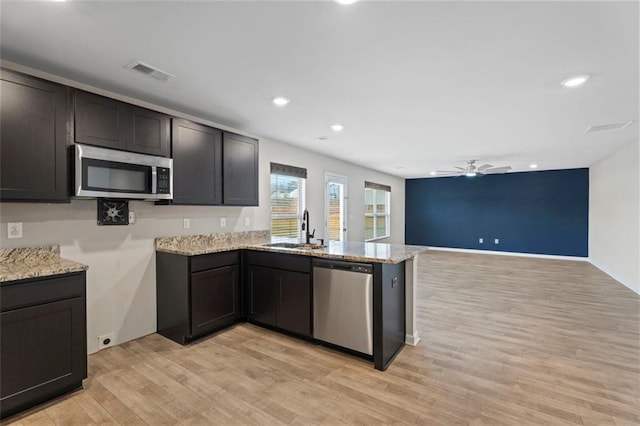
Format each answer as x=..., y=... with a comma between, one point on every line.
x=132, y=217
x=14, y=230
x=186, y=223
x=223, y=222
x=481, y=240
x=247, y=221
x=496, y=241
x=105, y=341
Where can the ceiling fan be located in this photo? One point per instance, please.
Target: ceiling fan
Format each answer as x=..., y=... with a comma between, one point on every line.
x=471, y=170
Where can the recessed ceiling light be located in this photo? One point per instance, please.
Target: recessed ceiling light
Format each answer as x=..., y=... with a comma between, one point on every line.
x=533, y=166
x=280, y=101
x=345, y=1
x=433, y=173
x=337, y=127
x=471, y=174
x=575, y=81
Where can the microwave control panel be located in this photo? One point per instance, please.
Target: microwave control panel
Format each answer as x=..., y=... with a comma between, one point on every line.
x=164, y=185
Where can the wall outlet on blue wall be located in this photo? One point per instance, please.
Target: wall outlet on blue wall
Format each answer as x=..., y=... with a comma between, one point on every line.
x=496, y=241
x=481, y=240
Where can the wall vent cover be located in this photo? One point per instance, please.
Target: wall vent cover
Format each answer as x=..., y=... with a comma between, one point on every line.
x=149, y=70
x=611, y=126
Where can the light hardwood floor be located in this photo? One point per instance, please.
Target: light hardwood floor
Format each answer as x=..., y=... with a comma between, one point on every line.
x=505, y=340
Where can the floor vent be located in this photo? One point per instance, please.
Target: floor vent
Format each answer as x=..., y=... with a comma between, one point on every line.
x=612, y=126
x=149, y=70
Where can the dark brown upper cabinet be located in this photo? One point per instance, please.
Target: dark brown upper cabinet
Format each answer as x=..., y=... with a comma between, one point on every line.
x=113, y=124
x=197, y=163
x=148, y=132
x=35, y=121
x=240, y=170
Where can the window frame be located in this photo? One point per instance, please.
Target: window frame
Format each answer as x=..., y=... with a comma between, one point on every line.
x=302, y=199
x=375, y=214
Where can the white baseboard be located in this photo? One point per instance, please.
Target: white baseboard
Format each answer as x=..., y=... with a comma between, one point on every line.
x=509, y=253
x=617, y=278
x=412, y=339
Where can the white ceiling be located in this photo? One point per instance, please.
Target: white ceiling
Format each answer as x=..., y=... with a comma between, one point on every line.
x=418, y=86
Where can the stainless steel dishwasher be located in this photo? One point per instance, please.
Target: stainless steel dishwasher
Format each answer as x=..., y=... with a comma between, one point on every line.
x=343, y=304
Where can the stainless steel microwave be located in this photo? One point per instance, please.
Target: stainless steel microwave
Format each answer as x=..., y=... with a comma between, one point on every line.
x=101, y=172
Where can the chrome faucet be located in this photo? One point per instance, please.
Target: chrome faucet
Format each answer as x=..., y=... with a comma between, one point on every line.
x=305, y=227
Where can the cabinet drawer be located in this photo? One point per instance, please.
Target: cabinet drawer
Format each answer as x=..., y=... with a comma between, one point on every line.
x=203, y=262
x=289, y=262
x=41, y=290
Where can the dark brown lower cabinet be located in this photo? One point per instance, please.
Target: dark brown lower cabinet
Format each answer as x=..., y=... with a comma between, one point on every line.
x=214, y=299
x=294, y=307
x=43, y=340
x=280, y=293
x=264, y=289
x=196, y=295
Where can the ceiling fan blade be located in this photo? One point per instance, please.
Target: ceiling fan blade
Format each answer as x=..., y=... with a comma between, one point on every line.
x=447, y=172
x=498, y=169
x=460, y=168
x=484, y=167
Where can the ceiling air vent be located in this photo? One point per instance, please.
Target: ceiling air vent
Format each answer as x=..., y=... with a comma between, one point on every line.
x=612, y=126
x=147, y=69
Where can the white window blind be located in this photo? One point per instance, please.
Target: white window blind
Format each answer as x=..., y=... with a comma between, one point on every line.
x=377, y=203
x=287, y=200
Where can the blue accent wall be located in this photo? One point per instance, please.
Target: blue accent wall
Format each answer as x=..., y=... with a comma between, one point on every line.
x=544, y=212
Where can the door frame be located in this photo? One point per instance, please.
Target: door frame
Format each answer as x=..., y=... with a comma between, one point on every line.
x=334, y=177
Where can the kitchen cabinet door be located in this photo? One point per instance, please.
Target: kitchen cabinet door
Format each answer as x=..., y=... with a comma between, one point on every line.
x=294, y=308
x=109, y=123
x=240, y=166
x=264, y=291
x=34, y=118
x=148, y=132
x=215, y=299
x=100, y=121
x=43, y=346
x=197, y=163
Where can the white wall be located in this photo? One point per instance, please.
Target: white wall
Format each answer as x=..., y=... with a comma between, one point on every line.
x=614, y=216
x=121, y=276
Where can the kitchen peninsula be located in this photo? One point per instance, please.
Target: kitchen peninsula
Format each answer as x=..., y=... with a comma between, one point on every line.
x=257, y=278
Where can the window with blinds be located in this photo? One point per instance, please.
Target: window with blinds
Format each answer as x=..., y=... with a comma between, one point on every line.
x=377, y=208
x=287, y=200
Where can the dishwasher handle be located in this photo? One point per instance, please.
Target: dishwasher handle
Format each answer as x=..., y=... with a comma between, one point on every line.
x=364, y=268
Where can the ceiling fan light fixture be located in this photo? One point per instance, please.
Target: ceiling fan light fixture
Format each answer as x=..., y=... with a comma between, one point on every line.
x=471, y=174
x=575, y=81
x=432, y=173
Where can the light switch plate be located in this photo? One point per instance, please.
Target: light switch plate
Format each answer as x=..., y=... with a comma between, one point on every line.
x=132, y=217
x=186, y=223
x=481, y=240
x=247, y=221
x=496, y=241
x=14, y=230
x=223, y=222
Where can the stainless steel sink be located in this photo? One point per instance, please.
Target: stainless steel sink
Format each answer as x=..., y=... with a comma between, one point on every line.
x=296, y=246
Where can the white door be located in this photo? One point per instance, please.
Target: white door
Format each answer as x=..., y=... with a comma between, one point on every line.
x=335, y=207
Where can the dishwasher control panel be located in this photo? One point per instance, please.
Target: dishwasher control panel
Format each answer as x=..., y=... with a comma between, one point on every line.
x=362, y=268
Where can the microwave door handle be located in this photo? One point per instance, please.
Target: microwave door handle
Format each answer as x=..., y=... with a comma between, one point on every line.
x=154, y=180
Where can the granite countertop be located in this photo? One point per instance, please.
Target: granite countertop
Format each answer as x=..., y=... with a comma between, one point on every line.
x=33, y=262
x=192, y=245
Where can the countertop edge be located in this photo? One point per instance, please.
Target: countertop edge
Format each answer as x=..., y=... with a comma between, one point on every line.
x=42, y=270
x=297, y=252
